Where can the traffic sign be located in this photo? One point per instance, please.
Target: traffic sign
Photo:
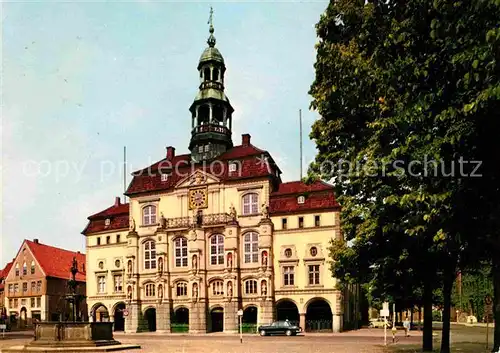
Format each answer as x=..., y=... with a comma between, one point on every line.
x=384, y=313
x=240, y=312
x=125, y=312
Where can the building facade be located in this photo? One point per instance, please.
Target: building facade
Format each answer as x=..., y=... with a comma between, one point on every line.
x=3, y=275
x=210, y=232
x=37, y=281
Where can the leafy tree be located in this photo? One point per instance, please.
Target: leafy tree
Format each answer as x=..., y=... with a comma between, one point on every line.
x=404, y=81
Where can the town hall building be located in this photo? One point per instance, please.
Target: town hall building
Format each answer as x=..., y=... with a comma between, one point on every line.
x=213, y=231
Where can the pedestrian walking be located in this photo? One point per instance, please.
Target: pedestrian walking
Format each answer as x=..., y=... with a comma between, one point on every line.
x=406, y=325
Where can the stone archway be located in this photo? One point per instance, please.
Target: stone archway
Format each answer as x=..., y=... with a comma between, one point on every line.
x=217, y=319
x=318, y=316
x=287, y=310
x=23, y=318
x=118, y=317
x=100, y=313
x=249, y=319
x=150, y=317
x=180, y=320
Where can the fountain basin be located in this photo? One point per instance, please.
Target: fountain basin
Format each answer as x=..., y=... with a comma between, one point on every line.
x=72, y=337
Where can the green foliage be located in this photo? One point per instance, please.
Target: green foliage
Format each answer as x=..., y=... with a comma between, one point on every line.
x=248, y=328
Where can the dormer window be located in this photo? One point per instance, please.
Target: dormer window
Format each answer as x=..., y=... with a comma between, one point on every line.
x=107, y=222
x=233, y=167
x=164, y=176
x=301, y=199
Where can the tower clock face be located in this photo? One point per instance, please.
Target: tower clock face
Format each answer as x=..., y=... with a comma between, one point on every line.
x=198, y=198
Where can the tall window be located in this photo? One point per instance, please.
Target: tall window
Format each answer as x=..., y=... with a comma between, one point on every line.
x=38, y=302
x=38, y=286
x=17, y=270
x=25, y=287
x=32, y=302
x=150, y=290
x=11, y=288
x=16, y=288
x=181, y=289
x=317, y=221
x=181, y=252
x=251, y=244
x=288, y=276
x=251, y=286
x=33, y=287
x=218, y=288
x=25, y=269
x=32, y=267
x=301, y=222
x=118, y=279
x=217, y=250
x=313, y=274
x=101, y=284
x=149, y=215
x=149, y=255
x=250, y=204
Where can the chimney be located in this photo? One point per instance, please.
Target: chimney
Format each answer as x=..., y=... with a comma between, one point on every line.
x=245, y=139
x=35, y=241
x=170, y=153
x=117, y=201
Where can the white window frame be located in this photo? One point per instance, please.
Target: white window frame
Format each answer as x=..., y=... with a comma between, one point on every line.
x=149, y=255
x=25, y=269
x=233, y=167
x=251, y=247
x=289, y=275
x=149, y=215
x=180, y=252
x=316, y=274
x=150, y=290
x=32, y=268
x=217, y=249
x=118, y=283
x=181, y=289
x=251, y=286
x=250, y=204
x=301, y=199
x=218, y=288
x=165, y=176
x=101, y=284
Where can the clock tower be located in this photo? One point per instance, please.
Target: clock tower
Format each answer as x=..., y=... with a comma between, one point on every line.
x=211, y=111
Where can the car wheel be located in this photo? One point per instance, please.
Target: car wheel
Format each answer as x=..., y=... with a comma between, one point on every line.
x=288, y=333
x=262, y=332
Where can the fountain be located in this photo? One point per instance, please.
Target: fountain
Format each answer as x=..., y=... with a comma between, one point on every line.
x=72, y=335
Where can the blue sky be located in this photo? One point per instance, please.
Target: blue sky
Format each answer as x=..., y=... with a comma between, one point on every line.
x=81, y=80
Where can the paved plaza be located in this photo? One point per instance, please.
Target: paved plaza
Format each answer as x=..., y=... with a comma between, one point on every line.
x=362, y=341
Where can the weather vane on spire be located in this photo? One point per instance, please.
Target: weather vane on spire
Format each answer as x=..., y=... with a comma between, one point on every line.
x=210, y=18
x=211, y=38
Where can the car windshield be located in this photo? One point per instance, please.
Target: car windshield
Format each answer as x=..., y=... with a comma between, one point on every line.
x=286, y=324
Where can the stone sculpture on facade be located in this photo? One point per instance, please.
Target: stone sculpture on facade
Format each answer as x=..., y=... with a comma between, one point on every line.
x=160, y=265
x=129, y=292
x=132, y=224
x=160, y=292
x=194, y=263
x=264, y=258
x=229, y=262
x=129, y=268
x=265, y=211
x=232, y=213
x=230, y=289
x=163, y=221
x=263, y=288
x=195, y=292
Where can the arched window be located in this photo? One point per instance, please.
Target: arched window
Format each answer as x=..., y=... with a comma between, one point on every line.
x=251, y=247
x=203, y=114
x=149, y=215
x=251, y=286
x=149, y=255
x=216, y=74
x=150, y=290
x=25, y=269
x=218, y=288
x=32, y=267
x=181, y=252
x=250, y=204
x=182, y=290
x=17, y=270
x=206, y=73
x=217, y=249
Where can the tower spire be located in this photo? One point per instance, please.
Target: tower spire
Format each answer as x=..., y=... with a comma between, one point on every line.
x=211, y=37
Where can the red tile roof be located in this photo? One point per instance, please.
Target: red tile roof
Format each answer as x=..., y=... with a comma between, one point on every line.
x=250, y=157
x=3, y=273
x=319, y=196
x=117, y=215
x=56, y=262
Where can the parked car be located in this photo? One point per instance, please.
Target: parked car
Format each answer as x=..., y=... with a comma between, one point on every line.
x=379, y=323
x=279, y=327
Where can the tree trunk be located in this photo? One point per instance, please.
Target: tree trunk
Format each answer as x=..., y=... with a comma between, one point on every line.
x=496, y=303
x=445, y=334
x=427, y=335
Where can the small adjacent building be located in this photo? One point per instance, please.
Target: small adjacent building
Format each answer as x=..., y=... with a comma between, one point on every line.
x=37, y=281
x=3, y=274
x=213, y=231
